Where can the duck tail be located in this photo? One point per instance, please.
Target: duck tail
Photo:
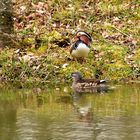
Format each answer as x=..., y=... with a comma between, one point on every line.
x=103, y=81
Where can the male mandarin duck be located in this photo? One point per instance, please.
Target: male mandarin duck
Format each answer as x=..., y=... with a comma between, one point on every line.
x=81, y=46
x=80, y=84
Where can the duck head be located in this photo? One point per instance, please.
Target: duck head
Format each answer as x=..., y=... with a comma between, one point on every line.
x=84, y=37
x=76, y=76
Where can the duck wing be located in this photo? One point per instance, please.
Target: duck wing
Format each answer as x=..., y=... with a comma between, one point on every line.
x=93, y=81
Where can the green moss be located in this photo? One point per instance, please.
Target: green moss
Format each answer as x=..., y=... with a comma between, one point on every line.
x=42, y=49
x=113, y=26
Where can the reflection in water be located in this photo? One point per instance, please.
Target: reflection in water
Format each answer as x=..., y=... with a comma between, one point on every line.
x=79, y=116
x=98, y=89
x=85, y=111
x=82, y=107
x=40, y=101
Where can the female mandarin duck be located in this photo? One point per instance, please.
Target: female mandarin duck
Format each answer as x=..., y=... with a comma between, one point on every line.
x=81, y=84
x=81, y=46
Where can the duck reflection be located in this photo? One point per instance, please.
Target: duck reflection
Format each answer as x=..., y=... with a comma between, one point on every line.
x=103, y=89
x=83, y=107
x=40, y=101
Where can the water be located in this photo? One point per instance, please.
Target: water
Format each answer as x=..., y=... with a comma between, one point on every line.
x=58, y=114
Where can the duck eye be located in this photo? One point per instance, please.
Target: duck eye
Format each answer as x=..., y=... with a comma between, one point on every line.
x=72, y=74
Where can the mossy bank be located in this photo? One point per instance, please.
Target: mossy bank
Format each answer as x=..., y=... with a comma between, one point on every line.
x=44, y=31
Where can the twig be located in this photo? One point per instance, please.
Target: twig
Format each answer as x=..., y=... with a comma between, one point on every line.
x=120, y=31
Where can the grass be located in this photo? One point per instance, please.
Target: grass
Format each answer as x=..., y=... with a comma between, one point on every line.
x=45, y=30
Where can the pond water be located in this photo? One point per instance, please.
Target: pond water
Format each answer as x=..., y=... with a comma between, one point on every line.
x=61, y=114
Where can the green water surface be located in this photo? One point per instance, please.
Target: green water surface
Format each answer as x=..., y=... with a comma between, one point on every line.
x=61, y=114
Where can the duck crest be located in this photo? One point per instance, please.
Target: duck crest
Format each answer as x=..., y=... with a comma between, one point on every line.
x=85, y=34
x=84, y=37
x=85, y=40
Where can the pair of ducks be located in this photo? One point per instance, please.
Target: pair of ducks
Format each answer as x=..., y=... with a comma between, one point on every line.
x=80, y=49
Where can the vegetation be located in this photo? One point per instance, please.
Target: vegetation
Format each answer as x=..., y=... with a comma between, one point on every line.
x=44, y=30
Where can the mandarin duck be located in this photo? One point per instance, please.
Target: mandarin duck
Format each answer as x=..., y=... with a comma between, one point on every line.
x=81, y=45
x=88, y=85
